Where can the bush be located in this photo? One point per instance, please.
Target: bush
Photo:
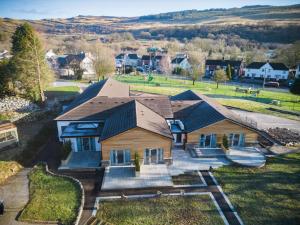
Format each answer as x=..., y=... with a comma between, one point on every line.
x=137, y=162
x=225, y=141
x=295, y=88
x=66, y=149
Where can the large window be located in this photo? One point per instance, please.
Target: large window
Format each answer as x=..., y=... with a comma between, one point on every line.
x=236, y=140
x=153, y=156
x=120, y=157
x=86, y=144
x=208, y=141
x=8, y=136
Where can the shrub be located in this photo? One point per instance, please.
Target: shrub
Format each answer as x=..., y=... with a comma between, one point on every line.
x=295, y=88
x=137, y=162
x=225, y=141
x=66, y=149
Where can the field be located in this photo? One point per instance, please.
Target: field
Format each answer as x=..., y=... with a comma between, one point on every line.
x=164, y=210
x=225, y=94
x=51, y=198
x=268, y=195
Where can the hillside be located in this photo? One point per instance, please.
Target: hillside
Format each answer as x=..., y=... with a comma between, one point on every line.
x=256, y=23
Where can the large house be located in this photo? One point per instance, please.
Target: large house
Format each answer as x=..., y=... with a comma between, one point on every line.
x=268, y=70
x=212, y=64
x=84, y=60
x=107, y=120
x=180, y=63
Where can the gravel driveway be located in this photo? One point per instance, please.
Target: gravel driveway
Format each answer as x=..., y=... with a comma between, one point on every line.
x=265, y=121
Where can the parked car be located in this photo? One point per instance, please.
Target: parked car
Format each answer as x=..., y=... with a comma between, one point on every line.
x=272, y=84
x=140, y=69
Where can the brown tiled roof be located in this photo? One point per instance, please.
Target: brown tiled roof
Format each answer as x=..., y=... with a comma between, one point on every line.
x=134, y=114
x=196, y=114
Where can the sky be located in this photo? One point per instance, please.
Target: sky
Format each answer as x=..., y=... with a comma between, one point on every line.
x=42, y=9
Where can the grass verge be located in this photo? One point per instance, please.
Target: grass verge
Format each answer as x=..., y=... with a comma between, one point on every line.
x=52, y=198
x=164, y=210
x=268, y=195
x=64, y=89
x=8, y=169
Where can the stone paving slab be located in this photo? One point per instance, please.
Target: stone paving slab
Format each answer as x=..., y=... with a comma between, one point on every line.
x=150, y=176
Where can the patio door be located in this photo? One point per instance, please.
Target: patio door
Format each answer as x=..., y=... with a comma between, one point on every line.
x=207, y=141
x=236, y=140
x=120, y=157
x=153, y=156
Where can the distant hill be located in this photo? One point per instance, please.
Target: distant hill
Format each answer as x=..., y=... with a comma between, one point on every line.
x=260, y=23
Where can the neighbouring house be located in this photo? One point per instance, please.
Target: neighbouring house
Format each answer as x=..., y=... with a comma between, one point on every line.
x=132, y=60
x=268, y=70
x=84, y=60
x=146, y=61
x=8, y=134
x=180, y=63
x=212, y=64
x=120, y=60
x=110, y=123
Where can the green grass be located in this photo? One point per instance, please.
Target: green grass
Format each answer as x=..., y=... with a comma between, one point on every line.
x=189, y=178
x=51, y=198
x=268, y=195
x=158, y=211
x=64, y=89
x=225, y=93
x=7, y=169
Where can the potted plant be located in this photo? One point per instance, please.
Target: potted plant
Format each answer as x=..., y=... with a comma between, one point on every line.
x=137, y=164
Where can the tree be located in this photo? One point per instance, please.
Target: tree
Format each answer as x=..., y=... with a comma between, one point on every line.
x=78, y=71
x=228, y=72
x=165, y=65
x=220, y=76
x=104, y=63
x=5, y=78
x=31, y=71
x=295, y=88
x=196, y=59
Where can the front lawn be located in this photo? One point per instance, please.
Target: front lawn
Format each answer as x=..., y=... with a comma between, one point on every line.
x=197, y=209
x=51, y=198
x=268, y=195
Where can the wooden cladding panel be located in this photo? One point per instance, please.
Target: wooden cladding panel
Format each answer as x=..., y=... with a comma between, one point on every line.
x=136, y=139
x=221, y=128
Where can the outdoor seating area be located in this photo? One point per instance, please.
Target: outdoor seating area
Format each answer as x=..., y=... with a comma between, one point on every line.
x=247, y=156
x=82, y=160
x=125, y=178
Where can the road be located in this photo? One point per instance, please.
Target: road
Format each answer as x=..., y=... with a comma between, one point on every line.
x=265, y=121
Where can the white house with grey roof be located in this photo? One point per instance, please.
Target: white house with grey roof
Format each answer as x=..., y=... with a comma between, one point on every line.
x=268, y=70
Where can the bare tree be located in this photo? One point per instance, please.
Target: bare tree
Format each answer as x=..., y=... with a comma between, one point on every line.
x=165, y=65
x=103, y=61
x=196, y=59
x=220, y=76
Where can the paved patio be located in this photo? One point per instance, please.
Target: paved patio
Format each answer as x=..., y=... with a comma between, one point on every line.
x=247, y=157
x=209, y=152
x=182, y=161
x=82, y=160
x=124, y=177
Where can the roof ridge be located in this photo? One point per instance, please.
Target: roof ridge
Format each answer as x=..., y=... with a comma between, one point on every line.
x=149, y=108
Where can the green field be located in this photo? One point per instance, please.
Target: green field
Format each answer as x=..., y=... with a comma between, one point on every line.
x=64, y=89
x=225, y=94
x=51, y=198
x=268, y=195
x=158, y=211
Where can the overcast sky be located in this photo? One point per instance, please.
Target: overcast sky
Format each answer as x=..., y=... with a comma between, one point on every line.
x=39, y=9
